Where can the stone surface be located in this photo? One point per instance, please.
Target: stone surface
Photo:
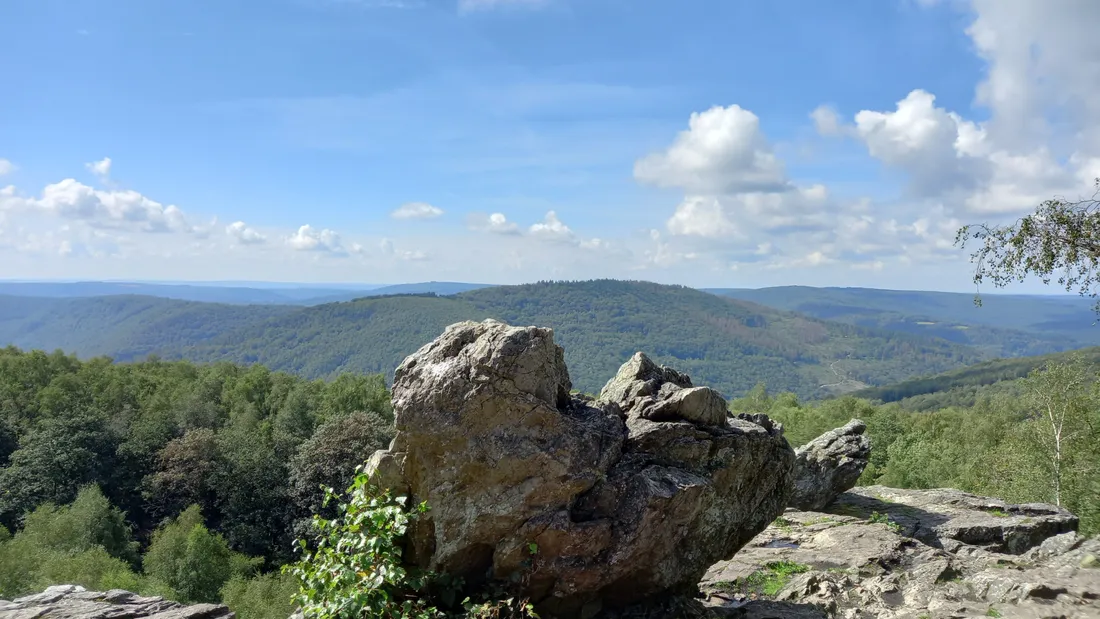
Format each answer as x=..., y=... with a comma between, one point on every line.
x=73, y=602
x=884, y=553
x=581, y=504
x=829, y=465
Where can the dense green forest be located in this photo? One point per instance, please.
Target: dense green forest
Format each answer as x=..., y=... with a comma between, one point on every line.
x=963, y=386
x=726, y=343
x=167, y=477
x=191, y=481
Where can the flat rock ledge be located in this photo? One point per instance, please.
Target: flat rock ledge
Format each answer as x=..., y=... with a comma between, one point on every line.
x=74, y=602
x=885, y=553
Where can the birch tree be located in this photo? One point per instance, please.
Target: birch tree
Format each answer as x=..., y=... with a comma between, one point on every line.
x=1061, y=408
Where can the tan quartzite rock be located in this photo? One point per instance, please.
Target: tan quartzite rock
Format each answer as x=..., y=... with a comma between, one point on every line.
x=73, y=602
x=586, y=504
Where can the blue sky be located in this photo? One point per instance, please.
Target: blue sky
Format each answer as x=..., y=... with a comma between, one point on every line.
x=701, y=142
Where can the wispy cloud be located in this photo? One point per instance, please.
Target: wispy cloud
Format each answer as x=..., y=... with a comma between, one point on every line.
x=481, y=5
x=416, y=210
x=101, y=168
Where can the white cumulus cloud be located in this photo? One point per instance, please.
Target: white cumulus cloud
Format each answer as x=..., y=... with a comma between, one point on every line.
x=71, y=199
x=6, y=167
x=308, y=238
x=245, y=235
x=722, y=151
x=552, y=229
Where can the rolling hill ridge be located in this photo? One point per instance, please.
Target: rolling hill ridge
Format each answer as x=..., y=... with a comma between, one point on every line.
x=727, y=343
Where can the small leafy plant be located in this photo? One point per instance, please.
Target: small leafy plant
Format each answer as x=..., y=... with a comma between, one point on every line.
x=883, y=519
x=768, y=581
x=355, y=568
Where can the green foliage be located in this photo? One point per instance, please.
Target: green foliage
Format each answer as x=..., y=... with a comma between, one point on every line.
x=329, y=459
x=964, y=386
x=768, y=581
x=85, y=543
x=883, y=519
x=57, y=458
x=266, y=596
x=354, y=569
x=194, y=562
x=89, y=522
x=1059, y=240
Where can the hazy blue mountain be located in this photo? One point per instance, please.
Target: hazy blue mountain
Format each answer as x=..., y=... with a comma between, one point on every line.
x=122, y=326
x=1005, y=325
x=237, y=293
x=440, y=288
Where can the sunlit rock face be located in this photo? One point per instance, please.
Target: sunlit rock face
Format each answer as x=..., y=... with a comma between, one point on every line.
x=586, y=504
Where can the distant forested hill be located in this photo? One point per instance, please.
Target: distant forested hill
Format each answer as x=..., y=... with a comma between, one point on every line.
x=235, y=294
x=965, y=386
x=124, y=327
x=726, y=343
x=1004, y=326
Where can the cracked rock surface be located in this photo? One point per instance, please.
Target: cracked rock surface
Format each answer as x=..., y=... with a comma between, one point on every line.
x=74, y=602
x=885, y=553
x=623, y=498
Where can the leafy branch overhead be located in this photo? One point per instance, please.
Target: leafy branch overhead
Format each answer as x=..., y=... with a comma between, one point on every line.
x=1059, y=240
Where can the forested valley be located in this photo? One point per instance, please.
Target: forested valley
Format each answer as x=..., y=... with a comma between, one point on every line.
x=193, y=481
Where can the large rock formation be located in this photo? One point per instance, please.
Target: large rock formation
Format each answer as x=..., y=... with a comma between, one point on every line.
x=581, y=503
x=884, y=553
x=829, y=465
x=73, y=602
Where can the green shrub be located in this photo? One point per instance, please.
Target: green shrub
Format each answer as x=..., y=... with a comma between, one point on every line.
x=355, y=568
x=88, y=522
x=269, y=596
x=192, y=561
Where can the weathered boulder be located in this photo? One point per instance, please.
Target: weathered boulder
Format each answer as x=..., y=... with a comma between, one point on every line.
x=884, y=553
x=642, y=388
x=74, y=602
x=581, y=504
x=829, y=465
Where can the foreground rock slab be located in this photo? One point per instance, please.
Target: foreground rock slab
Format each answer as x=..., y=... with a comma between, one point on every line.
x=581, y=504
x=884, y=553
x=74, y=602
x=829, y=465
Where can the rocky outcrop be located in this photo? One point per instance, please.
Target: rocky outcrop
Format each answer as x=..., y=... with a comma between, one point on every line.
x=581, y=504
x=883, y=553
x=73, y=602
x=829, y=465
